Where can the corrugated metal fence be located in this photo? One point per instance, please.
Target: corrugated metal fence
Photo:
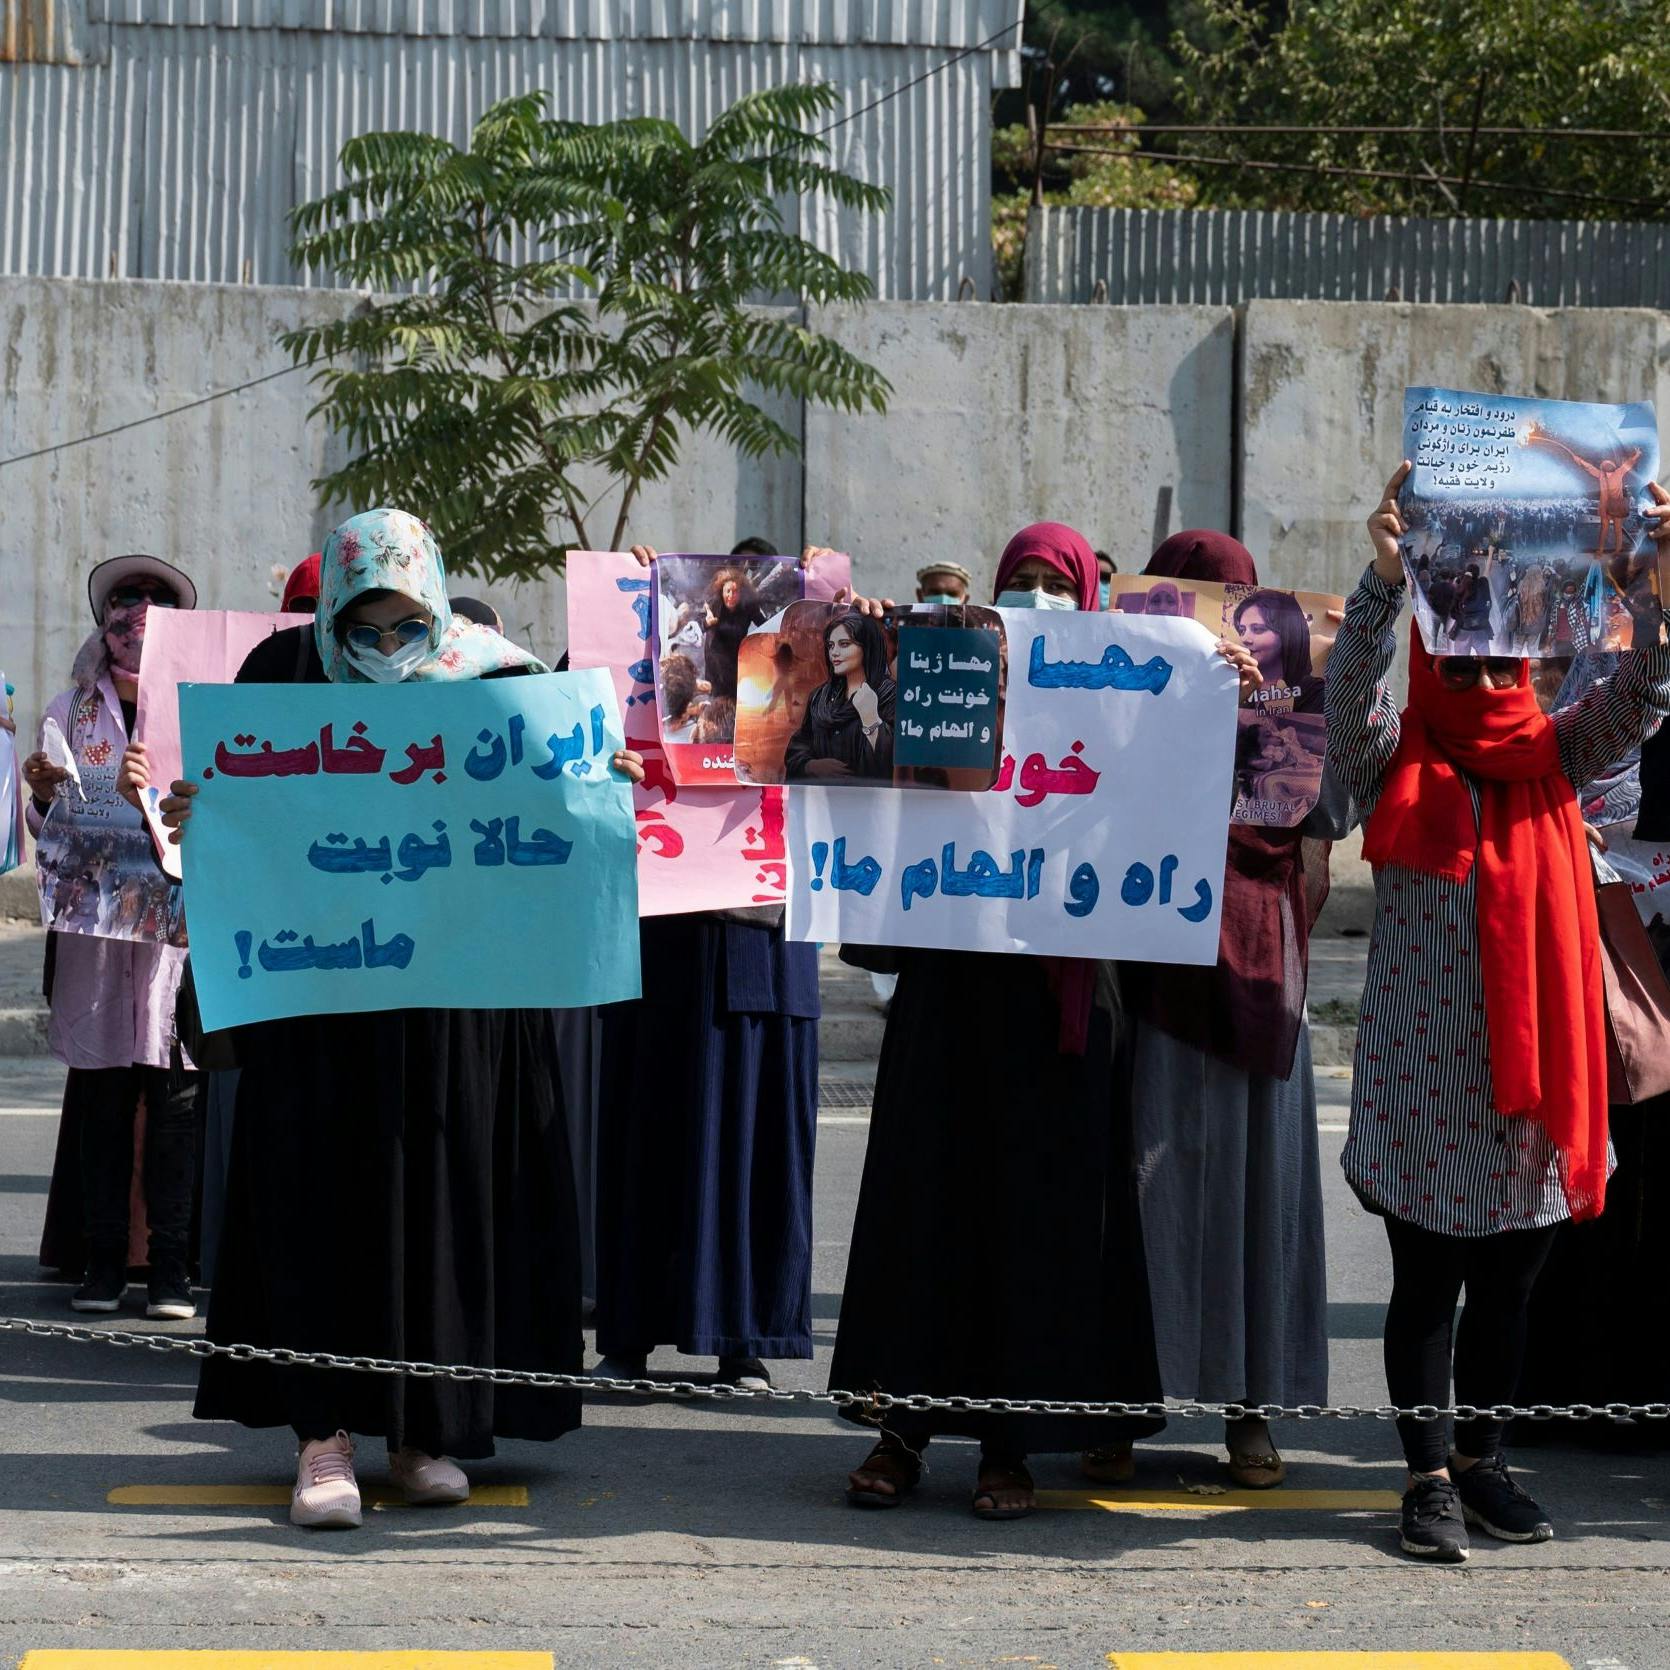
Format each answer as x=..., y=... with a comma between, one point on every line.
x=1229, y=256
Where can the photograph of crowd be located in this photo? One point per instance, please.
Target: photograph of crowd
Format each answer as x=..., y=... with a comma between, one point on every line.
x=704, y=608
x=100, y=877
x=1525, y=528
x=820, y=698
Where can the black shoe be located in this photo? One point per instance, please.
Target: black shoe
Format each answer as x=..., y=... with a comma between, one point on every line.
x=1492, y=1501
x=1432, y=1524
x=168, y=1294
x=103, y=1289
x=747, y=1372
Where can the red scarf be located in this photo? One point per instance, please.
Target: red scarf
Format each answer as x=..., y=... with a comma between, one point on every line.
x=1539, y=940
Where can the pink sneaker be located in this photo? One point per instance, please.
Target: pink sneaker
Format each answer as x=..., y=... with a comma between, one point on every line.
x=427, y=1479
x=326, y=1496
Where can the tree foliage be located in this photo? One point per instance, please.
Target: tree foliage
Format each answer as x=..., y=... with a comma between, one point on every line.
x=556, y=310
x=1435, y=65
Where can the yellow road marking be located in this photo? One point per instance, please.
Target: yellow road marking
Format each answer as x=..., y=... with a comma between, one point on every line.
x=1186, y=1501
x=1288, y=1660
x=197, y=1658
x=278, y=1495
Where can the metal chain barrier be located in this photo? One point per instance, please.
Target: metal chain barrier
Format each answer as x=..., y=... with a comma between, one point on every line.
x=869, y=1405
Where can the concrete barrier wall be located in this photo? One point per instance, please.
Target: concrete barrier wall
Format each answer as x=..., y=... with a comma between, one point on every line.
x=1125, y=422
x=1321, y=404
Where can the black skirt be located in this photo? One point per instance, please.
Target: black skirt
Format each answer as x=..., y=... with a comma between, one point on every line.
x=400, y=1186
x=997, y=1250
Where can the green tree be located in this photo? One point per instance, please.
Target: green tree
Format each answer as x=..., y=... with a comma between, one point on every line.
x=558, y=308
x=1443, y=67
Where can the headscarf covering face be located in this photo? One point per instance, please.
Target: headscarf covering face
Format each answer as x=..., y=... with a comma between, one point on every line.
x=1539, y=936
x=303, y=581
x=1065, y=550
x=390, y=550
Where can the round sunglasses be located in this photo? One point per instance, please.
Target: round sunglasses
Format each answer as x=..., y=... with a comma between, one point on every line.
x=407, y=633
x=1463, y=672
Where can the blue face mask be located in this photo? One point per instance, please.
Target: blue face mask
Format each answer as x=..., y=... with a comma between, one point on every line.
x=1105, y=590
x=943, y=597
x=1033, y=600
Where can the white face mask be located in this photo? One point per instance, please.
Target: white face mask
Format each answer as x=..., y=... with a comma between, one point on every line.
x=388, y=669
x=1033, y=600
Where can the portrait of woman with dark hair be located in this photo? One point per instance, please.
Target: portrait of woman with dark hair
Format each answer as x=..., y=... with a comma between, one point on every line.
x=1273, y=628
x=848, y=728
x=732, y=608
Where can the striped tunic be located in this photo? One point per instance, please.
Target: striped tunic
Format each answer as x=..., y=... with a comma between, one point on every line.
x=1425, y=1143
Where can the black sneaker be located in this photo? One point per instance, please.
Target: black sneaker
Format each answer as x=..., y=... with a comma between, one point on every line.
x=1492, y=1501
x=168, y=1295
x=103, y=1289
x=1432, y=1524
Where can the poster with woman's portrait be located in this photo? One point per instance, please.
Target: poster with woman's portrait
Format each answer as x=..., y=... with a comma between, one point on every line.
x=833, y=696
x=1282, y=736
x=704, y=608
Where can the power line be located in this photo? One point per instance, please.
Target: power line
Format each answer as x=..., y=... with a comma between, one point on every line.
x=1630, y=134
x=1357, y=173
x=155, y=417
x=926, y=75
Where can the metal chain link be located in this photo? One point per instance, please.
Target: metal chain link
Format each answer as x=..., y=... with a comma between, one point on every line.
x=870, y=1405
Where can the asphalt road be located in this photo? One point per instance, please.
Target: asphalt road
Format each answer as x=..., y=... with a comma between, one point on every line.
x=681, y=1534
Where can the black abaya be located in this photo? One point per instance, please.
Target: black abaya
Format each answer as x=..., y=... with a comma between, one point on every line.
x=400, y=1186
x=996, y=1250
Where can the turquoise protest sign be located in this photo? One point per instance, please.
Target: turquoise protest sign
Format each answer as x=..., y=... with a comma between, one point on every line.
x=447, y=846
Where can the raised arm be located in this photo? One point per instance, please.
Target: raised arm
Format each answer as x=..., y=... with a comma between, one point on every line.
x=1541, y=437
x=1363, y=724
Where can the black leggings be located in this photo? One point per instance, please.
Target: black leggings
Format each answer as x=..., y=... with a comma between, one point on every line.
x=109, y=1097
x=1429, y=1271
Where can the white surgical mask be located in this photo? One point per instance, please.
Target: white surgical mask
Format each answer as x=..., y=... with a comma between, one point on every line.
x=1033, y=600
x=388, y=669
x=942, y=597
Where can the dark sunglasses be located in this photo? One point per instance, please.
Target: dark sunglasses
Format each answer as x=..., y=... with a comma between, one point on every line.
x=1463, y=672
x=125, y=597
x=407, y=633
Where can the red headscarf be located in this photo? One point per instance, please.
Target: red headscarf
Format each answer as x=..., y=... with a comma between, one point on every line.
x=1539, y=939
x=1066, y=551
x=303, y=582
x=1246, y=1010
x=1072, y=979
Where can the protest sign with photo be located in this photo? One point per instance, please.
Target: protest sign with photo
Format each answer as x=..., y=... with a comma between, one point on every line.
x=408, y=846
x=1282, y=734
x=715, y=848
x=1525, y=528
x=11, y=789
x=1105, y=834
x=187, y=646
x=832, y=696
x=96, y=867
x=703, y=609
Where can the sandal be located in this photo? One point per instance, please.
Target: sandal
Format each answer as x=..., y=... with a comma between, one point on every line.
x=1112, y=1464
x=1260, y=1469
x=889, y=1463
x=996, y=1480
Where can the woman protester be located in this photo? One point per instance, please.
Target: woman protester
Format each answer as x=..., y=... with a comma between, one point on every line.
x=113, y=1000
x=707, y=1123
x=847, y=730
x=1478, y=1105
x=1224, y=1099
x=998, y=1089
x=732, y=609
x=400, y=1182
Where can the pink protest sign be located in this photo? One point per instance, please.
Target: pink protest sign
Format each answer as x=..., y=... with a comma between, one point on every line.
x=188, y=646
x=698, y=849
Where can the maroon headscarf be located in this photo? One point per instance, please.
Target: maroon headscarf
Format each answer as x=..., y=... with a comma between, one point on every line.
x=1064, y=549
x=1072, y=979
x=1247, y=1009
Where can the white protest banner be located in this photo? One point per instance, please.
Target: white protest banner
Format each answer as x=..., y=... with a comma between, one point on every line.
x=1105, y=835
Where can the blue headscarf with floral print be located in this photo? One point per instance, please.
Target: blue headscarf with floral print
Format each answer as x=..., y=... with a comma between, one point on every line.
x=390, y=550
